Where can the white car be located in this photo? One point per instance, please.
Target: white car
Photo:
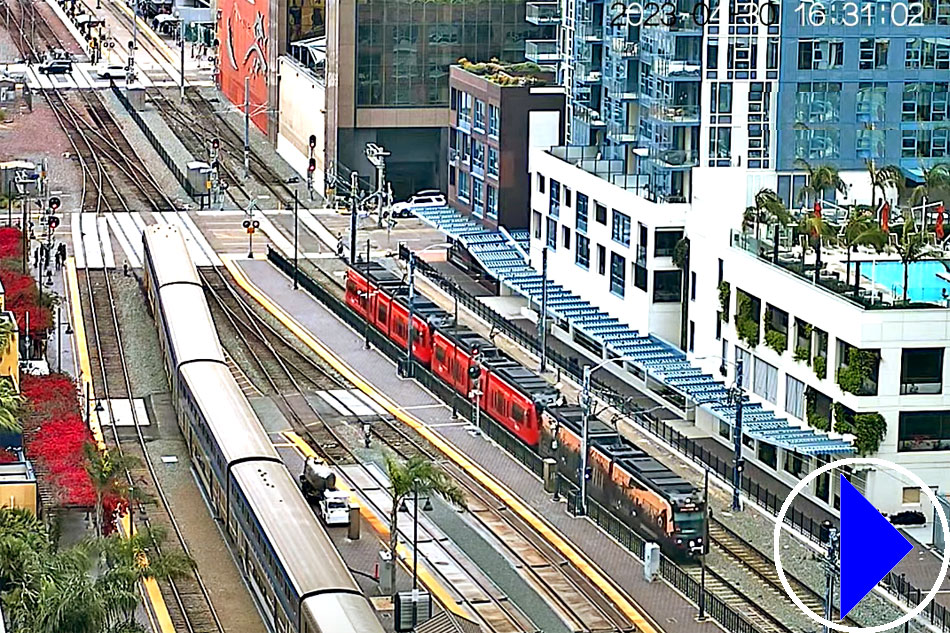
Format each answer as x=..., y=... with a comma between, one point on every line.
x=111, y=71
x=334, y=508
x=422, y=200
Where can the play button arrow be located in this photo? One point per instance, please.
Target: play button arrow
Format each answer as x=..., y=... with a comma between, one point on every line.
x=870, y=547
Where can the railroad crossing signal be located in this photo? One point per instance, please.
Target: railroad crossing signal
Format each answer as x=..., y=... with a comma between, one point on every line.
x=53, y=222
x=54, y=203
x=250, y=226
x=312, y=165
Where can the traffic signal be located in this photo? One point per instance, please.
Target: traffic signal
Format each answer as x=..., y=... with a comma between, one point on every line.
x=312, y=165
x=313, y=141
x=54, y=203
x=216, y=143
x=53, y=222
x=588, y=472
x=474, y=372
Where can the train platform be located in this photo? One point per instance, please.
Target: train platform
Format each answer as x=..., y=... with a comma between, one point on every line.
x=661, y=608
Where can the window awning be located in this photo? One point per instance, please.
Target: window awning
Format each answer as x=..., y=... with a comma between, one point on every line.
x=663, y=361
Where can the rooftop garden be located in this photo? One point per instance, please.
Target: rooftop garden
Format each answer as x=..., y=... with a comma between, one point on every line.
x=507, y=74
x=873, y=255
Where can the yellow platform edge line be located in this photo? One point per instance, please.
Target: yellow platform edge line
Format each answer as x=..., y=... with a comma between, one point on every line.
x=85, y=378
x=636, y=615
x=427, y=578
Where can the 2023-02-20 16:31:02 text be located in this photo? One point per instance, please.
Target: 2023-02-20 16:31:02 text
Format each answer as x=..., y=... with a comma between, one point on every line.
x=768, y=13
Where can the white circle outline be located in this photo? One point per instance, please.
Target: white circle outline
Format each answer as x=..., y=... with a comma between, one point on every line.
x=780, y=523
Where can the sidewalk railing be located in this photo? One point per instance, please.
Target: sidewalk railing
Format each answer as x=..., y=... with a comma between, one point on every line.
x=731, y=620
x=899, y=586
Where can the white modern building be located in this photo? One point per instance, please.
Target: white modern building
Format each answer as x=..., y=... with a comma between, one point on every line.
x=848, y=363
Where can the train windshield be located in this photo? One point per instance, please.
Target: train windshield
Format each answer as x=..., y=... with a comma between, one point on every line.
x=689, y=522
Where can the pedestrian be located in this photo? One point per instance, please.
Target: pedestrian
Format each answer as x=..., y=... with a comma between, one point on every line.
x=46, y=250
x=36, y=257
x=339, y=245
x=366, y=434
x=125, y=268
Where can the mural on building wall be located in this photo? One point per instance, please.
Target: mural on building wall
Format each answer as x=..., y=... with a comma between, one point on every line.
x=244, y=45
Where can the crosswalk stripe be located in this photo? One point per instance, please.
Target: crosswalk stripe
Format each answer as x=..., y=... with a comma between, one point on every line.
x=281, y=243
x=372, y=404
x=133, y=231
x=108, y=258
x=90, y=240
x=78, y=251
x=333, y=402
x=351, y=402
x=130, y=255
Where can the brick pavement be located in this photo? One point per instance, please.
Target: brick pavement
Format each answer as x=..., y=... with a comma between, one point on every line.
x=669, y=609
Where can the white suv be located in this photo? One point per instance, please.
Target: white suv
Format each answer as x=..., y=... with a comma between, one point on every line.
x=422, y=200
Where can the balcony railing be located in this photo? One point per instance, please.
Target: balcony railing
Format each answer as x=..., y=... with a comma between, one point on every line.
x=590, y=32
x=675, y=113
x=588, y=115
x=623, y=48
x=674, y=158
x=621, y=133
x=541, y=51
x=676, y=69
x=543, y=13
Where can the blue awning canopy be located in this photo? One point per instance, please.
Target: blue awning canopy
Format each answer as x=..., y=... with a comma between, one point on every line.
x=499, y=256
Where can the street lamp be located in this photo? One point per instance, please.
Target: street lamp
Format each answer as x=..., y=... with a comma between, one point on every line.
x=415, y=543
x=829, y=538
x=181, y=37
x=702, y=548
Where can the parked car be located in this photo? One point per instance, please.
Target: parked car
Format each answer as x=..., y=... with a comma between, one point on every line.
x=421, y=200
x=111, y=71
x=56, y=67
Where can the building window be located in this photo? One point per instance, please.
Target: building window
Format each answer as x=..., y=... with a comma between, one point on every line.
x=492, y=202
x=493, y=120
x=795, y=397
x=720, y=143
x=464, y=186
x=479, y=123
x=765, y=383
x=582, y=256
x=665, y=242
x=478, y=156
x=600, y=213
x=540, y=183
x=817, y=144
x=925, y=101
x=567, y=196
x=692, y=336
x=796, y=464
x=927, y=53
x=871, y=101
x=718, y=325
x=767, y=454
x=692, y=286
x=581, y=212
x=452, y=176
x=910, y=496
x=923, y=431
x=554, y=207
x=818, y=101
x=552, y=234
x=566, y=236
x=667, y=286
x=465, y=144
x=478, y=197
x=465, y=109
x=873, y=53
x=720, y=101
x=536, y=223
x=618, y=274
x=601, y=260
x=824, y=54
x=492, y=162
x=922, y=370
x=620, y=229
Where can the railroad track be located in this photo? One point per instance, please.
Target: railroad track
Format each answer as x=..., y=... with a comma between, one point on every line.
x=569, y=593
x=737, y=549
x=189, y=606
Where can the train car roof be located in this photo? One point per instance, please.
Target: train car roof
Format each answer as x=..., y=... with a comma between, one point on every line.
x=171, y=262
x=333, y=613
x=189, y=324
x=570, y=416
x=522, y=378
x=305, y=550
x=469, y=341
x=229, y=416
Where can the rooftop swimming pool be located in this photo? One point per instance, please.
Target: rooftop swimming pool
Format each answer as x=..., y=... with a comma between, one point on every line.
x=923, y=284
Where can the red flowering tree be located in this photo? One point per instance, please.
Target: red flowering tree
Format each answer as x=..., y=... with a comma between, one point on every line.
x=20, y=290
x=54, y=434
x=11, y=243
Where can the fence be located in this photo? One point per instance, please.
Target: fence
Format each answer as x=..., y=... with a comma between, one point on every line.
x=609, y=522
x=180, y=176
x=899, y=586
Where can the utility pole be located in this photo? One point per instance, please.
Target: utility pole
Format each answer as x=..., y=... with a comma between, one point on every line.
x=354, y=196
x=295, y=238
x=376, y=155
x=701, y=548
x=135, y=38
x=830, y=564
x=543, y=318
x=737, y=463
x=585, y=424
x=181, y=33
x=247, y=125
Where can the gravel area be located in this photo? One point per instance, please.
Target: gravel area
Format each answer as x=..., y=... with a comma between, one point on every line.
x=139, y=340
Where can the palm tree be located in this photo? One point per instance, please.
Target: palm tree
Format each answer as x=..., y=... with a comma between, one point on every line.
x=7, y=329
x=107, y=470
x=911, y=247
x=936, y=181
x=815, y=226
x=765, y=206
x=11, y=405
x=860, y=229
x=820, y=179
x=417, y=476
x=883, y=179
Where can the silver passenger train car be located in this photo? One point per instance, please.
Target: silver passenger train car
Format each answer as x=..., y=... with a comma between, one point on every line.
x=295, y=573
